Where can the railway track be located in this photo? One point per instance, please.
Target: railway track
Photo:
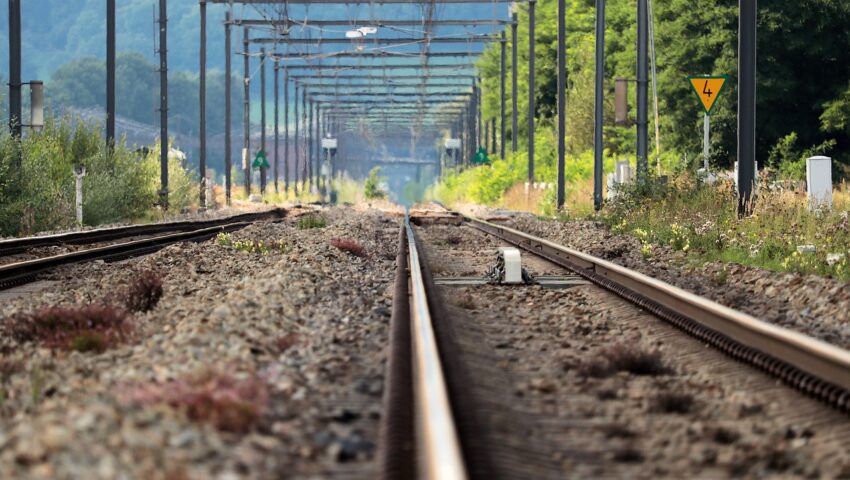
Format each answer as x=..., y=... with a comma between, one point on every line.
x=156, y=236
x=435, y=427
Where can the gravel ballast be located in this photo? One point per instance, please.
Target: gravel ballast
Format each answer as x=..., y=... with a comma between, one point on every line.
x=584, y=380
x=254, y=364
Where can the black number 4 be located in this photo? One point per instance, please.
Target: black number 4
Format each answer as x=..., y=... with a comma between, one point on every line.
x=706, y=90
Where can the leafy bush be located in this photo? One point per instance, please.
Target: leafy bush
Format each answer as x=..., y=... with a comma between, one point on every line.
x=119, y=184
x=372, y=186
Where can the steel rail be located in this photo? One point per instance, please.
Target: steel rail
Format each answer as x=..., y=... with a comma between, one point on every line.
x=810, y=365
x=23, y=272
x=16, y=245
x=435, y=424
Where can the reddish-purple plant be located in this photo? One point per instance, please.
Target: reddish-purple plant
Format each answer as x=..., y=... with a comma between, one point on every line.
x=350, y=246
x=90, y=328
x=216, y=398
x=287, y=341
x=144, y=292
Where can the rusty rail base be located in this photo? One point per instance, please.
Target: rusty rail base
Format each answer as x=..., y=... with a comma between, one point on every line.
x=811, y=366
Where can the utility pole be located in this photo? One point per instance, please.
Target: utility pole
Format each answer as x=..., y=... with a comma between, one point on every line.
x=286, y=129
x=562, y=81
x=309, y=132
x=297, y=151
x=263, y=117
x=110, y=73
x=642, y=89
x=598, y=106
x=502, y=69
x=202, y=101
x=276, y=123
x=246, y=110
x=163, y=103
x=479, y=124
x=15, y=106
x=531, y=88
x=228, y=153
x=305, y=156
x=747, y=17
x=514, y=108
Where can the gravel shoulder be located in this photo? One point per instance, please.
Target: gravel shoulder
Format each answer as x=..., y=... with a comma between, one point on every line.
x=549, y=360
x=302, y=326
x=812, y=305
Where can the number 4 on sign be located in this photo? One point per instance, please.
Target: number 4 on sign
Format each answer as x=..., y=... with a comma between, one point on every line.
x=707, y=90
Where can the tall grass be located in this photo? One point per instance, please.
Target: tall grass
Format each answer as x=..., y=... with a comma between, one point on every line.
x=120, y=184
x=703, y=223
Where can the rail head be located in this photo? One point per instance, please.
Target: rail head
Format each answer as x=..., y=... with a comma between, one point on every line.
x=436, y=426
x=808, y=354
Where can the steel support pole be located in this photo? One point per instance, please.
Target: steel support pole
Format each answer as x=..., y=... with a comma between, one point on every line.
x=297, y=141
x=598, y=105
x=642, y=89
x=228, y=148
x=748, y=14
x=110, y=72
x=479, y=122
x=492, y=140
x=310, y=140
x=531, y=88
x=305, y=157
x=15, y=105
x=202, y=102
x=246, y=110
x=163, y=103
x=561, y=101
x=502, y=100
x=276, y=125
x=285, y=129
x=487, y=135
x=263, y=118
x=514, y=79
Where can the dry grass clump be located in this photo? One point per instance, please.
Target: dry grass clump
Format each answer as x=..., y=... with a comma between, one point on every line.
x=90, y=328
x=349, y=245
x=624, y=358
x=216, y=398
x=144, y=292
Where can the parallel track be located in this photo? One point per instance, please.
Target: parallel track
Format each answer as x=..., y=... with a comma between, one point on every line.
x=19, y=273
x=430, y=428
x=814, y=367
x=17, y=245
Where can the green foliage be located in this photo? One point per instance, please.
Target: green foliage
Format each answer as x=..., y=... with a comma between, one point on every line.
x=789, y=161
x=259, y=247
x=118, y=186
x=793, y=96
x=306, y=222
x=79, y=83
x=372, y=187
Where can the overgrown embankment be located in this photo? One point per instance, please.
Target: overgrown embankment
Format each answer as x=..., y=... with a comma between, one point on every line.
x=121, y=184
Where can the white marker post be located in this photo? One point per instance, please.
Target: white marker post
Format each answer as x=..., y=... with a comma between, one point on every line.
x=79, y=172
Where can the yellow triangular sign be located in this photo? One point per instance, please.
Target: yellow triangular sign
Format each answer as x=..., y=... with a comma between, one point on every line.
x=708, y=90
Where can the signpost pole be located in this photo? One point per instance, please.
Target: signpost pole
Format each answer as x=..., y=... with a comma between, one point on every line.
x=706, y=126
